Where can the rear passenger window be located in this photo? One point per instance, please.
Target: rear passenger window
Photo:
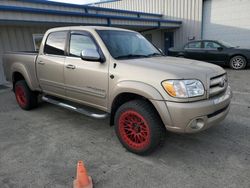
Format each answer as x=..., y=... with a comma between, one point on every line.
x=79, y=42
x=55, y=43
x=193, y=45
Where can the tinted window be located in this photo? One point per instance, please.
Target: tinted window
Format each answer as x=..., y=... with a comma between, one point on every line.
x=78, y=43
x=193, y=45
x=55, y=43
x=211, y=45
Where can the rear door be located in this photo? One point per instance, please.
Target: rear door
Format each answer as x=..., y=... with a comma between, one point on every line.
x=85, y=81
x=50, y=64
x=194, y=50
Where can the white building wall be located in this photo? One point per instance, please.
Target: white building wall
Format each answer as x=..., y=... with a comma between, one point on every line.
x=227, y=20
x=188, y=11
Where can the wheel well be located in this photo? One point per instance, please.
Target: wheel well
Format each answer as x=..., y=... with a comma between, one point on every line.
x=123, y=98
x=16, y=77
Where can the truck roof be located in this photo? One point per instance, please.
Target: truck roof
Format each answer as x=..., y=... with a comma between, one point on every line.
x=86, y=28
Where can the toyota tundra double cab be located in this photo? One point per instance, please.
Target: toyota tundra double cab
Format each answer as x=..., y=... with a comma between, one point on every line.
x=105, y=72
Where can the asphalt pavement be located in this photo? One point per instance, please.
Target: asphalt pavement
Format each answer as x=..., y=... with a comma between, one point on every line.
x=40, y=148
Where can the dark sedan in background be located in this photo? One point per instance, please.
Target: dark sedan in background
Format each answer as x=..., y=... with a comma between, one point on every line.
x=217, y=52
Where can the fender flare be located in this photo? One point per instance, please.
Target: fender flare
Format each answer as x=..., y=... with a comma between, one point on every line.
x=145, y=90
x=20, y=68
x=135, y=87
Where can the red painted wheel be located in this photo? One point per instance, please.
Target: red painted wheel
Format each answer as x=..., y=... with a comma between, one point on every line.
x=139, y=127
x=26, y=98
x=20, y=96
x=134, y=130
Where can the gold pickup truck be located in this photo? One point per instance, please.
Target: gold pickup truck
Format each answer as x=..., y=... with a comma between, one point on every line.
x=110, y=72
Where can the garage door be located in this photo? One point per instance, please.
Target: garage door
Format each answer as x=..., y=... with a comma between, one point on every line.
x=227, y=20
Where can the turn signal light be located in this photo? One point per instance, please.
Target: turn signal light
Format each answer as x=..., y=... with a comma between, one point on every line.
x=169, y=87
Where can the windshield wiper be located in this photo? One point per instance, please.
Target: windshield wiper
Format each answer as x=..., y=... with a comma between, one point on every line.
x=154, y=54
x=130, y=56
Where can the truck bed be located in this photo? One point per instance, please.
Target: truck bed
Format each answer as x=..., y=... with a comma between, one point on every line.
x=24, y=62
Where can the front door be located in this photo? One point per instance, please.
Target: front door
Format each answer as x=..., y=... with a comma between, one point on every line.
x=214, y=52
x=168, y=42
x=85, y=81
x=50, y=64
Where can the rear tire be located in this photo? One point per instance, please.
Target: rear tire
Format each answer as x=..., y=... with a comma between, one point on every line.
x=138, y=127
x=238, y=62
x=181, y=56
x=26, y=98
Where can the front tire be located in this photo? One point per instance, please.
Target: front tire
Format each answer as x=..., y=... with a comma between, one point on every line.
x=139, y=127
x=25, y=98
x=238, y=62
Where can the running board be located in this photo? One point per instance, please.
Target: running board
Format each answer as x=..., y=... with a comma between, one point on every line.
x=76, y=109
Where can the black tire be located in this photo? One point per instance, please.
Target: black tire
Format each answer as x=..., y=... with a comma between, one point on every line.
x=26, y=98
x=181, y=56
x=238, y=62
x=150, y=129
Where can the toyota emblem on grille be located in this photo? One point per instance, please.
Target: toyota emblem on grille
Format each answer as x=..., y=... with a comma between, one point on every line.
x=223, y=82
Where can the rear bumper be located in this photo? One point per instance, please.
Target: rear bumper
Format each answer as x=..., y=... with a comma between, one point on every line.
x=195, y=116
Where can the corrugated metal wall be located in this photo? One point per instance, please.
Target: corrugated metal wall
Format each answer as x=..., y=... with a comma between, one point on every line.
x=17, y=38
x=189, y=11
x=227, y=20
x=63, y=18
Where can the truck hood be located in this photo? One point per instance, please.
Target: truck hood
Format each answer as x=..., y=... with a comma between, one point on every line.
x=176, y=68
x=152, y=71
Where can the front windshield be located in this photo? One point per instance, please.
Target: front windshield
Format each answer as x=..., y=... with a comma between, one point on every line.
x=126, y=44
x=226, y=44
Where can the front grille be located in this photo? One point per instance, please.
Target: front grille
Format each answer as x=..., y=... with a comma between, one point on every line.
x=218, y=85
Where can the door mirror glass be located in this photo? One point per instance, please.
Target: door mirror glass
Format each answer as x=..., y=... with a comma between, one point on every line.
x=219, y=48
x=90, y=55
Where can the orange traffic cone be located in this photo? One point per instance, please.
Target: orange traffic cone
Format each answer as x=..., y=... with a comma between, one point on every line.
x=82, y=179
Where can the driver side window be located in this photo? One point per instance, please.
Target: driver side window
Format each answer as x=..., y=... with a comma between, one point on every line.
x=79, y=42
x=211, y=45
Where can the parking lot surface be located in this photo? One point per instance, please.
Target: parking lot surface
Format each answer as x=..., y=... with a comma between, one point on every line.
x=40, y=148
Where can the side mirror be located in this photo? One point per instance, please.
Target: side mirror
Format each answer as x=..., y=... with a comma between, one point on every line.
x=219, y=48
x=91, y=55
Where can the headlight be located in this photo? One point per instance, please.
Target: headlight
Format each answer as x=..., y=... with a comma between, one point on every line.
x=183, y=88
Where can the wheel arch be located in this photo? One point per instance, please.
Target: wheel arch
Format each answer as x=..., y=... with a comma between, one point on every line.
x=181, y=54
x=19, y=71
x=129, y=90
x=123, y=98
x=17, y=76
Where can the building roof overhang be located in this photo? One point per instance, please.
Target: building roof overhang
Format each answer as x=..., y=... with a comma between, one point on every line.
x=107, y=17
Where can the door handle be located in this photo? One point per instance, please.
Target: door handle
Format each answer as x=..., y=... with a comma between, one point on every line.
x=41, y=63
x=70, y=66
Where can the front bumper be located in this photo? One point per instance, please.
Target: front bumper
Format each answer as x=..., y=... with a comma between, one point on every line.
x=196, y=116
